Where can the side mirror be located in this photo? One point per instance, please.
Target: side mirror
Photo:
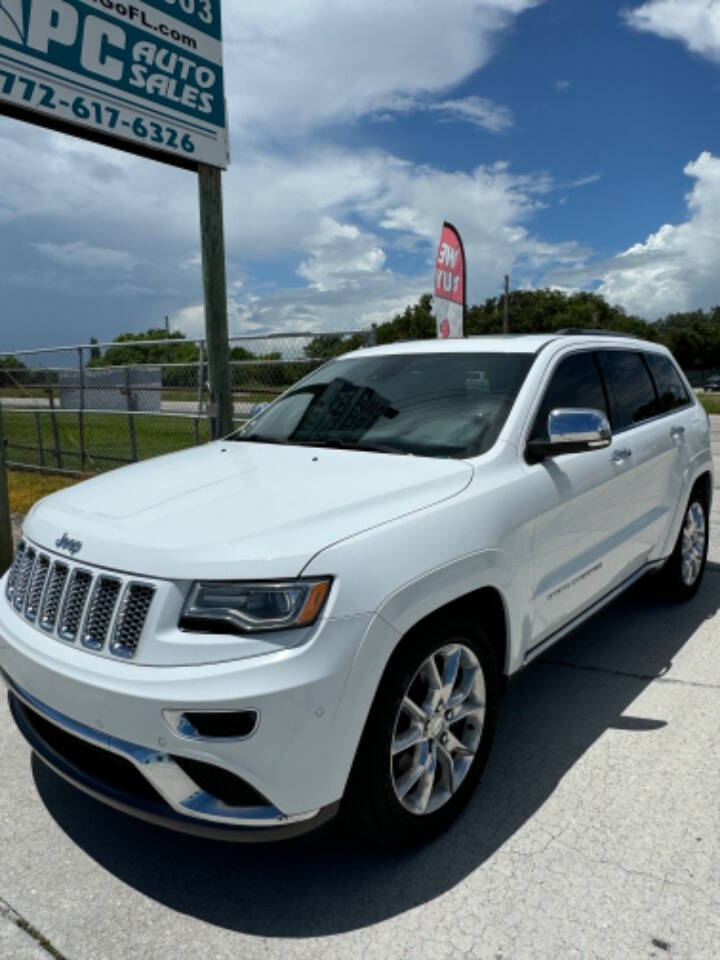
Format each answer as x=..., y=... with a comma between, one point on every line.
x=572, y=431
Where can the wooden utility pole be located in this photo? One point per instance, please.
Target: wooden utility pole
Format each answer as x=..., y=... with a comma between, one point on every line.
x=6, y=544
x=215, y=287
x=506, y=305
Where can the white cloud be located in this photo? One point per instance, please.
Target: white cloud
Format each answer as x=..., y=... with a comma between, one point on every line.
x=562, y=85
x=340, y=254
x=478, y=111
x=696, y=23
x=676, y=267
x=307, y=63
x=586, y=181
x=85, y=256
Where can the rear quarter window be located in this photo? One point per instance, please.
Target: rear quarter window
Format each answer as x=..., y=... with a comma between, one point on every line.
x=630, y=387
x=671, y=390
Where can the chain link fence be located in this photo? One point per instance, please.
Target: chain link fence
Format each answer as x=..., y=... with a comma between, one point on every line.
x=92, y=407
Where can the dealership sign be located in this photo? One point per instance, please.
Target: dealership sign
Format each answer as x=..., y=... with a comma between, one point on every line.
x=144, y=73
x=450, y=283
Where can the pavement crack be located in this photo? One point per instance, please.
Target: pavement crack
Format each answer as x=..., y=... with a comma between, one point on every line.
x=11, y=914
x=653, y=678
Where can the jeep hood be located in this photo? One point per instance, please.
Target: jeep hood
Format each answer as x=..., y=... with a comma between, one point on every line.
x=237, y=510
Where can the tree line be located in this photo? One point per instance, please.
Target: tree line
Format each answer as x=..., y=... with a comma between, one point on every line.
x=693, y=337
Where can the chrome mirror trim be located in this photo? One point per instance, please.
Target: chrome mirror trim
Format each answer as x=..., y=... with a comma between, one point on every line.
x=583, y=426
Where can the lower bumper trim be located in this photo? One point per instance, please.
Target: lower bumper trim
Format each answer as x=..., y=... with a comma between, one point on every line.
x=143, y=804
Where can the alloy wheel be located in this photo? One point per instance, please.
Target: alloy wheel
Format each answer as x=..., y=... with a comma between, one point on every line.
x=438, y=729
x=692, y=547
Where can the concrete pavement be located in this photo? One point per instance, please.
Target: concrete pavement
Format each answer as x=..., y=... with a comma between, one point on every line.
x=594, y=834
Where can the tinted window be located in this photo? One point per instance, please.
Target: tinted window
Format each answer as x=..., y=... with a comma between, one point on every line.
x=575, y=383
x=670, y=388
x=632, y=394
x=428, y=404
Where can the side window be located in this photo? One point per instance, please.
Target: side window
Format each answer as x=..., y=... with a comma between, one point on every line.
x=671, y=390
x=575, y=383
x=632, y=393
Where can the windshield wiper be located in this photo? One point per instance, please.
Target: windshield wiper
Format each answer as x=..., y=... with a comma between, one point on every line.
x=257, y=438
x=325, y=444
x=343, y=445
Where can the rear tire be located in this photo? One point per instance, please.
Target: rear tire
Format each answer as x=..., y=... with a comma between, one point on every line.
x=684, y=571
x=428, y=735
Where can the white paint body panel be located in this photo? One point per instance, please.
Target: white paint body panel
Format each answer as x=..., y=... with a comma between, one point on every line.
x=401, y=536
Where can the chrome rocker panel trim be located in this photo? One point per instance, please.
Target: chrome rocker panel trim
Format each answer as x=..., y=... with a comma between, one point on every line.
x=192, y=810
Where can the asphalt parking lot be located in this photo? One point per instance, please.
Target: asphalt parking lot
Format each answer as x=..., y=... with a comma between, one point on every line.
x=595, y=833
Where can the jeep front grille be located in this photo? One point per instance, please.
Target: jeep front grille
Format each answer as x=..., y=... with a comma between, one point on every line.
x=131, y=619
x=106, y=613
x=74, y=604
x=53, y=593
x=100, y=613
x=23, y=578
x=36, y=586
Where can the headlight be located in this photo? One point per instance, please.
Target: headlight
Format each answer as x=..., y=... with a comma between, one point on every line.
x=242, y=607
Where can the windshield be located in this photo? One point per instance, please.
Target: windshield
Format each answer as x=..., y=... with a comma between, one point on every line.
x=429, y=405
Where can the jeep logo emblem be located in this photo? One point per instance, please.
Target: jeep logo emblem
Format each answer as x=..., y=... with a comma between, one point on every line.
x=65, y=543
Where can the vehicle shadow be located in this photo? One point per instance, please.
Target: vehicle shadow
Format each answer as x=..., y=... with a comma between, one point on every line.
x=325, y=883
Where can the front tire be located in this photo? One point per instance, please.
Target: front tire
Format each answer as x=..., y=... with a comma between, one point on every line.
x=684, y=570
x=428, y=735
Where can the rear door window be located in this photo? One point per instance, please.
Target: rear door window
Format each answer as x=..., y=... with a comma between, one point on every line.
x=671, y=390
x=575, y=383
x=630, y=388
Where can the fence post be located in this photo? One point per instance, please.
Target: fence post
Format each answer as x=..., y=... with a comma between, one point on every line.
x=6, y=543
x=200, y=376
x=55, y=431
x=38, y=433
x=131, y=420
x=81, y=406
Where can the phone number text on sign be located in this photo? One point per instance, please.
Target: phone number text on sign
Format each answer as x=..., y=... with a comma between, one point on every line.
x=148, y=71
x=102, y=115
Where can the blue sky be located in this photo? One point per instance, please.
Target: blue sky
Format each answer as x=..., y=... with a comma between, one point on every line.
x=573, y=142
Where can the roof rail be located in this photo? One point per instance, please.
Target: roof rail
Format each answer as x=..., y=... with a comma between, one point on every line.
x=580, y=331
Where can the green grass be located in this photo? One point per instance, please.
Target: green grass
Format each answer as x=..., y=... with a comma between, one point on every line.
x=24, y=392
x=107, y=438
x=711, y=401
x=27, y=488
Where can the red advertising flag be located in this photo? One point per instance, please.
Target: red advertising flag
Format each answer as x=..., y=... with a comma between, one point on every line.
x=449, y=301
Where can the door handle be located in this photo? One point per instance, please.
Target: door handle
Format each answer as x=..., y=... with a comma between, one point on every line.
x=619, y=456
x=677, y=432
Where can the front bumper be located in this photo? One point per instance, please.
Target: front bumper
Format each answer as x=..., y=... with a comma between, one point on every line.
x=159, y=791
x=298, y=758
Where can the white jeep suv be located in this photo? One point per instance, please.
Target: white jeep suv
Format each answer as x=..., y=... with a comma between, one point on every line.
x=318, y=613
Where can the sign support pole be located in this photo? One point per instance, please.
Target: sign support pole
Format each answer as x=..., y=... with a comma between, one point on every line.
x=6, y=543
x=215, y=289
x=506, y=302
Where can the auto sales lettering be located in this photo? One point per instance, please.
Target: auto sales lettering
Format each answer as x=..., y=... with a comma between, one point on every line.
x=149, y=71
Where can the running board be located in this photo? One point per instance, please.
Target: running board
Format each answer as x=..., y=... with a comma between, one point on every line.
x=541, y=647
